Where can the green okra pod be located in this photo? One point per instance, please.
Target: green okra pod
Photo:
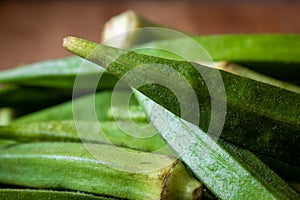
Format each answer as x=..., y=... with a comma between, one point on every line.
x=276, y=55
x=243, y=71
x=24, y=194
x=57, y=73
x=134, y=112
x=98, y=103
x=6, y=116
x=116, y=172
x=110, y=132
x=228, y=171
x=106, y=132
x=287, y=171
x=5, y=143
x=261, y=117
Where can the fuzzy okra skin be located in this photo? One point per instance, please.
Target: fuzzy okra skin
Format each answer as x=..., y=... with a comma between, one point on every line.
x=57, y=73
x=24, y=194
x=117, y=172
x=259, y=116
x=106, y=132
x=228, y=171
x=109, y=132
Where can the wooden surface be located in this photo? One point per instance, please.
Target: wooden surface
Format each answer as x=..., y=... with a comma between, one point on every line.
x=33, y=31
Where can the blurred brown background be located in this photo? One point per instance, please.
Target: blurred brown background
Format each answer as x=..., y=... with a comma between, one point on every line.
x=32, y=30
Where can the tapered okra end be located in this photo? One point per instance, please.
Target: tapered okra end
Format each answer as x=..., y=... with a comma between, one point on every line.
x=179, y=184
x=99, y=54
x=79, y=46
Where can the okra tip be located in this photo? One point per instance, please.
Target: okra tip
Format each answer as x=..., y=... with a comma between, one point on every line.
x=67, y=40
x=78, y=46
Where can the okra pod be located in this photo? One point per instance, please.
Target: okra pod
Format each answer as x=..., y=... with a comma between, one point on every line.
x=276, y=55
x=228, y=171
x=259, y=52
x=4, y=142
x=27, y=194
x=259, y=116
x=287, y=171
x=117, y=172
x=243, y=71
x=134, y=112
x=57, y=73
x=83, y=106
x=106, y=132
x=109, y=132
x=6, y=115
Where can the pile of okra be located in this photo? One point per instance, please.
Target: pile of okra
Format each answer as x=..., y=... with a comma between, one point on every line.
x=68, y=132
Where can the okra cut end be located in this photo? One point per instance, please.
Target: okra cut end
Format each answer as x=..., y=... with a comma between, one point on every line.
x=120, y=31
x=179, y=184
x=121, y=23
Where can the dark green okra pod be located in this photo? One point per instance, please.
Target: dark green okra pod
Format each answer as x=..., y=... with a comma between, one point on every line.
x=230, y=172
x=259, y=116
x=24, y=100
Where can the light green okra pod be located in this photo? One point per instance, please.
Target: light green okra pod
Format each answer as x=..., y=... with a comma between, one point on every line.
x=117, y=172
x=277, y=55
x=106, y=132
x=85, y=106
x=30, y=194
x=109, y=132
x=57, y=73
x=6, y=142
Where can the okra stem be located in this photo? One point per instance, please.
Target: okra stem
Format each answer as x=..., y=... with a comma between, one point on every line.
x=126, y=21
